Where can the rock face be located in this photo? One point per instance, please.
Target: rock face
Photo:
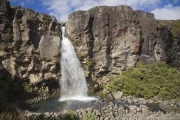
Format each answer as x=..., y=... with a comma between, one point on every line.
x=108, y=40
x=29, y=44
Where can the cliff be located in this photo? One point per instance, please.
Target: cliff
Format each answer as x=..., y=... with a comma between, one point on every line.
x=30, y=49
x=108, y=40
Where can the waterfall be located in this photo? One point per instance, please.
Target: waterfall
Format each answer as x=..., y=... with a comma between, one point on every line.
x=72, y=82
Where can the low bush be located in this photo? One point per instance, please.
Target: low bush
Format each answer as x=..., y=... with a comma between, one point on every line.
x=4, y=88
x=9, y=35
x=147, y=81
x=90, y=64
x=46, y=23
x=90, y=116
x=70, y=115
x=19, y=21
x=7, y=116
x=17, y=115
x=176, y=28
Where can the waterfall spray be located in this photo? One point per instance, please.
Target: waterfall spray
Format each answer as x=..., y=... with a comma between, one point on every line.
x=72, y=82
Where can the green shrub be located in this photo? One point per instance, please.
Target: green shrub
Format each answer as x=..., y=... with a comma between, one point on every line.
x=46, y=23
x=147, y=81
x=17, y=115
x=90, y=116
x=70, y=115
x=7, y=116
x=141, y=38
x=106, y=8
x=45, y=27
x=176, y=28
x=8, y=35
x=18, y=21
x=161, y=23
x=28, y=87
x=82, y=55
x=90, y=63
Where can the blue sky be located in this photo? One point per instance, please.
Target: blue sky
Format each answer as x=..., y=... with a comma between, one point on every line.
x=162, y=9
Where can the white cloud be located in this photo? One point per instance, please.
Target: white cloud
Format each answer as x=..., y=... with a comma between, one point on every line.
x=168, y=12
x=62, y=8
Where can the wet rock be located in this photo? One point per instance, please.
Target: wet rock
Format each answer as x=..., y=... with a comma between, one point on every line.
x=111, y=104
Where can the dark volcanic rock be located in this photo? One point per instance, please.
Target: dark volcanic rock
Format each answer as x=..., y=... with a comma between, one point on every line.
x=115, y=38
x=29, y=49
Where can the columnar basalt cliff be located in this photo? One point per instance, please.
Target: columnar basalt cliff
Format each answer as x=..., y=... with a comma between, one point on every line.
x=108, y=40
x=29, y=44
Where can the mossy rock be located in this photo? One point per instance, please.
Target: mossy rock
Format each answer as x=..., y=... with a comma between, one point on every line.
x=9, y=35
x=46, y=22
x=90, y=64
x=19, y=21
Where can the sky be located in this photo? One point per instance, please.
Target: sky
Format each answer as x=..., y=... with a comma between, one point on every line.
x=162, y=9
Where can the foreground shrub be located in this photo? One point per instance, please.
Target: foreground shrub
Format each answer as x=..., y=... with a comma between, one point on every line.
x=7, y=116
x=4, y=95
x=18, y=115
x=89, y=116
x=70, y=115
x=147, y=81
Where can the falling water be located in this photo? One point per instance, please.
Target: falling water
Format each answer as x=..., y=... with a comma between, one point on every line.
x=73, y=82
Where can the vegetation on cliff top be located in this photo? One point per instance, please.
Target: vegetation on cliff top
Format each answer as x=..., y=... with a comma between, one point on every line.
x=46, y=23
x=147, y=81
x=174, y=24
x=176, y=28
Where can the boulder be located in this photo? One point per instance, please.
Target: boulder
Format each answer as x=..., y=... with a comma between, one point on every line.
x=117, y=95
